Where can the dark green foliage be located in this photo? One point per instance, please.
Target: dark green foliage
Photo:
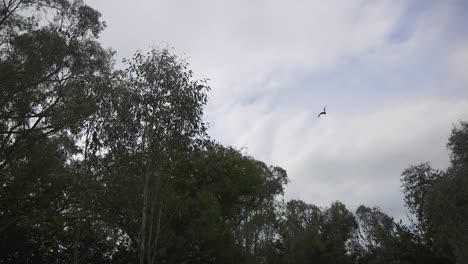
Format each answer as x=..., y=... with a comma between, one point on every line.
x=440, y=200
x=447, y=207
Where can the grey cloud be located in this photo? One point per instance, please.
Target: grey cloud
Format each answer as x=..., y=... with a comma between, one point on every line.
x=356, y=159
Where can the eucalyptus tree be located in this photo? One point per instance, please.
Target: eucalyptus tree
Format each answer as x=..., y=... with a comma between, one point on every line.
x=51, y=70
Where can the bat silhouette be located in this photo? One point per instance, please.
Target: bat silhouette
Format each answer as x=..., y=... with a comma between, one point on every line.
x=324, y=112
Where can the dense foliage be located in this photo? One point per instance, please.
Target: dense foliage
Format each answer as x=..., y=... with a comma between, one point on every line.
x=99, y=165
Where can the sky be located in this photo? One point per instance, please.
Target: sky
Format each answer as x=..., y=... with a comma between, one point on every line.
x=392, y=73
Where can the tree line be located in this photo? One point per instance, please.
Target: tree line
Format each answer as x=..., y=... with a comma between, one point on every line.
x=105, y=165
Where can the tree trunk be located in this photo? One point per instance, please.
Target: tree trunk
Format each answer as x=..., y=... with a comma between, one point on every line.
x=158, y=228
x=76, y=250
x=150, y=232
x=143, y=217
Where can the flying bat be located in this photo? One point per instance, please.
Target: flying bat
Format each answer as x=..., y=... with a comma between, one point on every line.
x=324, y=112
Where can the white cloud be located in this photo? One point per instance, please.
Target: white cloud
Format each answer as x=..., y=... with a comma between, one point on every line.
x=242, y=45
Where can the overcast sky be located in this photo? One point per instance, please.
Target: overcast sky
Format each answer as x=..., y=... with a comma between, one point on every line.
x=393, y=74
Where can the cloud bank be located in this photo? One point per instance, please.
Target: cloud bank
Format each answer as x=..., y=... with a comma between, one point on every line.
x=392, y=72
